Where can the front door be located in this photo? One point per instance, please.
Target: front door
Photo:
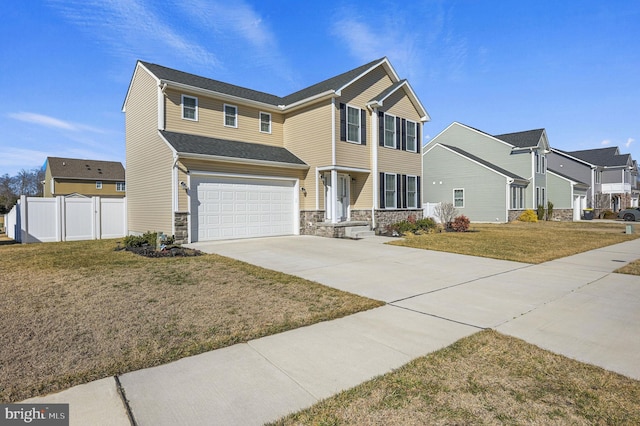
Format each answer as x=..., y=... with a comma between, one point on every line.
x=343, y=197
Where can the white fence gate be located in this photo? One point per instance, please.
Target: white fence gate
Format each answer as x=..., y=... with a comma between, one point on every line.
x=429, y=211
x=35, y=219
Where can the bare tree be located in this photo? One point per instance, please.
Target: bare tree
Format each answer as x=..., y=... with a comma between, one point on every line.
x=7, y=196
x=603, y=202
x=445, y=212
x=28, y=182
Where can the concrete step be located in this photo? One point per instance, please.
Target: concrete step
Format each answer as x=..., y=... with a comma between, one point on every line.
x=364, y=234
x=351, y=231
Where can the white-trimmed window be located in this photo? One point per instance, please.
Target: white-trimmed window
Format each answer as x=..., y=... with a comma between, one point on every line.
x=353, y=124
x=412, y=192
x=265, y=122
x=389, y=131
x=390, y=188
x=598, y=174
x=540, y=196
x=189, y=108
x=98, y=184
x=120, y=186
x=412, y=144
x=458, y=197
x=230, y=115
x=517, y=197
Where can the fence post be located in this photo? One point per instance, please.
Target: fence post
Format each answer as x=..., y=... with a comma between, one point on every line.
x=61, y=219
x=24, y=225
x=97, y=212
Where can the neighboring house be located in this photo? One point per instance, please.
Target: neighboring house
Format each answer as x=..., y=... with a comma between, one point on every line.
x=492, y=178
x=76, y=177
x=612, y=176
x=207, y=160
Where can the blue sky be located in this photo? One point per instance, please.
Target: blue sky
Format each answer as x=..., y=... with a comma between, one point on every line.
x=497, y=65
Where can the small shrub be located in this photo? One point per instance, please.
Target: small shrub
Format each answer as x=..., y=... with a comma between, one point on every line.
x=608, y=214
x=148, y=238
x=445, y=212
x=540, y=212
x=460, y=224
x=528, y=216
x=411, y=225
x=549, y=210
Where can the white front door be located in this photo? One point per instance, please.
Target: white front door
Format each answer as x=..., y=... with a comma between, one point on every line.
x=343, y=197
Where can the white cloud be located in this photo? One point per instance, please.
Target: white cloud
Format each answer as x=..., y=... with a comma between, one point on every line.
x=605, y=142
x=52, y=122
x=629, y=142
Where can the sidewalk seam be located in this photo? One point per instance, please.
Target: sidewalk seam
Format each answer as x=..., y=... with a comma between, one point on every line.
x=125, y=401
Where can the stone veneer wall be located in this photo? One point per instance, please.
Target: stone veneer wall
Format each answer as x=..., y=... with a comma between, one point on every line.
x=384, y=218
x=309, y=220
x=181, y=223
x=361, y=215
x=564, y=215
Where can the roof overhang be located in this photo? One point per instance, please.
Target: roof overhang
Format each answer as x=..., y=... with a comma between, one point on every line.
x=235, y=160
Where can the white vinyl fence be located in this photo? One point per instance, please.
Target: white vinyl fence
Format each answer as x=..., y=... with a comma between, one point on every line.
x=35, y=219
x=430, y=211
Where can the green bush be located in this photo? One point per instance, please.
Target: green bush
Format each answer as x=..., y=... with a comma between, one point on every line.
x=148, y=238
x=608, y=214
x=460, y=224
x=540, y=213
x=412, y=225
x=549, y=210
x=528, y=216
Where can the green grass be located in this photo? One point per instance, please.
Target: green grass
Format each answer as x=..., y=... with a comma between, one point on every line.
x=523, y=242
x=487, y=378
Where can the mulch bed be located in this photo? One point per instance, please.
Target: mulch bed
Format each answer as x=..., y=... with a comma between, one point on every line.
x=172, y=251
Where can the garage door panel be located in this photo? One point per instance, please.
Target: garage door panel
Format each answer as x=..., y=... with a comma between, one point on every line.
x=228, y=208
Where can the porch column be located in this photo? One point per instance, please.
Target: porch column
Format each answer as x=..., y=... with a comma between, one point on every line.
x=334, y=196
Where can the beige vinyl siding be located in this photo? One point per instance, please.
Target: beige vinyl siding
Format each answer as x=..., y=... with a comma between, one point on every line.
x=47, y=183
x=308, y=135
x=211, y=120
x=398, y=161
x=400, y=105
x=485, y=192
x=86, y=187
x=149, y=161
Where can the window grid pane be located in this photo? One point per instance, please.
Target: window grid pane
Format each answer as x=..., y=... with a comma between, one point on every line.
x=265, y=122
x=390, y=191
x=389, y=131
x=353, y=124
x=458, y=198
x=411, y=136
x=189, y=108
x=412, y=200
x=230, y=116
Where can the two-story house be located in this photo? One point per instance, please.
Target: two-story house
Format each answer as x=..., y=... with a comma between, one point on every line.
x=492, y=178
x=88, y=178
x=611, y=176
x=208, y=160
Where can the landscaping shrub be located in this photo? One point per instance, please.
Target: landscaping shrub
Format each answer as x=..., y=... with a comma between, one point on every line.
x=540, y=213
x=460, y=224
x=549, y=210
x=608, y=214
x=412, y=225
x=528, y=216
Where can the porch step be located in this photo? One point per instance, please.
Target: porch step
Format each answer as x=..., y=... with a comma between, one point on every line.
x=357, y=232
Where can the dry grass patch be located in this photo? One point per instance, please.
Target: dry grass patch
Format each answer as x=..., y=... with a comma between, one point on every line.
x=632, y=268
x=76, y=312
x=523, y=242
x=487, y=378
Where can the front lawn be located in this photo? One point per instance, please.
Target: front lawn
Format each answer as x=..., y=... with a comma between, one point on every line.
x=523, y=242
x=486, y=378
x=78, y=311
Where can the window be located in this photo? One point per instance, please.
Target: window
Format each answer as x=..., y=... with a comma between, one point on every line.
x=265, y=122
x=544, y=164
x=390, y=186
x=353, y=124
x=230, y=116
x=458, y=198
x=411, y=136
x=389, y=131
x=598, y=176
x=120, y=186
x=98, y=184
x=540, y=196
x=517, y=197
x=189, y=108
x=412, y=192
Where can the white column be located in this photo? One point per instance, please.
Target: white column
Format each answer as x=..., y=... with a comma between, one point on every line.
x=334, y=196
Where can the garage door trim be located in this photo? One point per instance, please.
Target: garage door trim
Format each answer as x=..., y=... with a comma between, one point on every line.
x=296, y=192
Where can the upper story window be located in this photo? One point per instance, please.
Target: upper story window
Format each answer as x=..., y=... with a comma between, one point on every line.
x=265, y=122
x=541, y=163
x=598, y=174
x=411, y=135
x=353, y=124
x=120, y=186
x=189, y=108
x=230, y=115
x=389, y=131
x=98, y=184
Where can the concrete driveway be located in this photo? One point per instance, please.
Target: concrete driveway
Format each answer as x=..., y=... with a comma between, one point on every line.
x=574, y=306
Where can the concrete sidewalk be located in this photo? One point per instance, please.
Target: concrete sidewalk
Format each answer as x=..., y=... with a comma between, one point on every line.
x=574, y=306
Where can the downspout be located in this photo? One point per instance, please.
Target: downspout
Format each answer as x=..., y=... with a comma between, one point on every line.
x=334, y=174
x=174, y=192
x=508, y=203
x=533, y=180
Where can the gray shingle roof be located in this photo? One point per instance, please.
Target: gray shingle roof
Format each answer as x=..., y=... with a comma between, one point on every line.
x=333, y=83
x=578, y=183
x=75, y=168
x=485, y=163
x=201, y=145
x=606, y=157
x=526, y=139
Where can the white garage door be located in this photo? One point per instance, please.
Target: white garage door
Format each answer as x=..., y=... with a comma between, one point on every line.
x=227, y=208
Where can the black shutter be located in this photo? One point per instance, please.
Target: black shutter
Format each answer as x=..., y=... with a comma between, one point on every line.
x=398, y=191
x=343, y=122
x=398, y=143
x=418, y=140
x=381, y=128
x=419, y=191
x=381, y=185
x=404, y=134
x=404, y=191
x=363, y=127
